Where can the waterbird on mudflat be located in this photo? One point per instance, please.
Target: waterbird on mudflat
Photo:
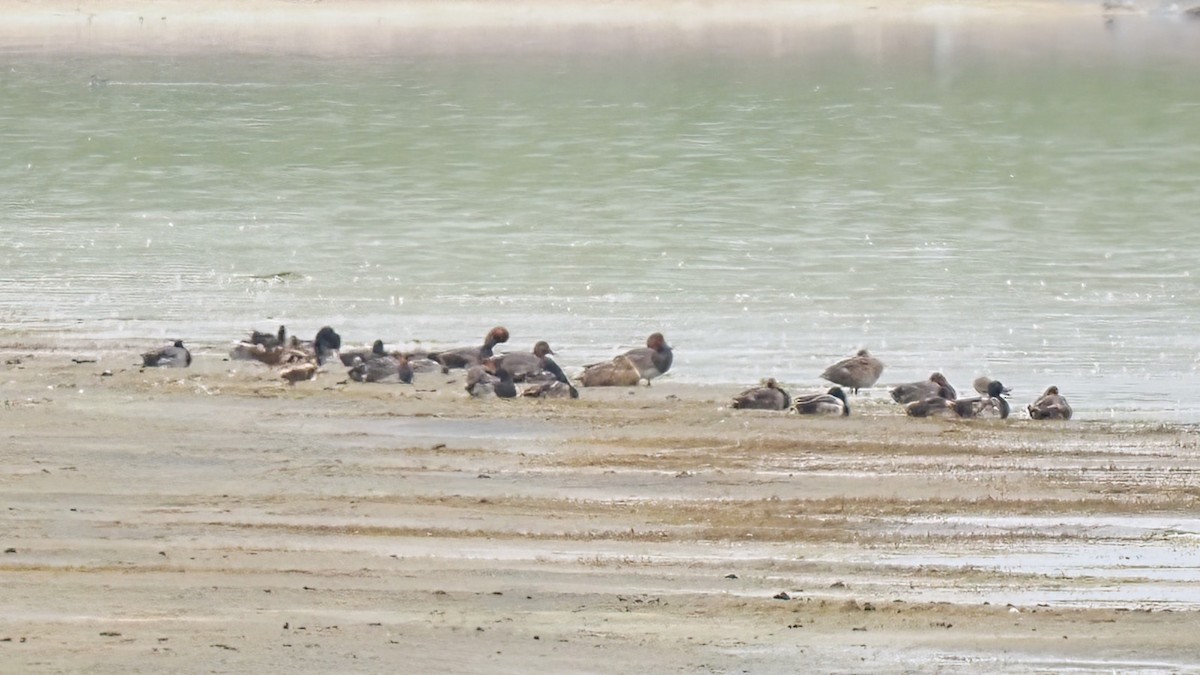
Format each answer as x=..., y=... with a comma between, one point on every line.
x=381, y=368
x=936, y=385
x=857, y=372
x=632, y=367
x=832, y=402
x=983, y=383
x=348, y=357
x=930, y=406
x=465, y=357
x=269, y=340
x=1050, y=406
x=299, y=373
x=534, y=366
x=769, y=396
x=174, y=355
x=992, y=402
x=488, y=378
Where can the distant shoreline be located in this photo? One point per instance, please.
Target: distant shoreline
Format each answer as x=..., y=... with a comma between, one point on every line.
x=476, y=26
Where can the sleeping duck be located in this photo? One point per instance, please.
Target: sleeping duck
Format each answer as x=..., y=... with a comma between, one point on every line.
x=630, y=368
x=172, y=356
x=767, y=397
x=930, y=406
x=832, y=402
x=466, y=357
x=551, y=389
x=936, y=385
x=857, y=372
x=1050, y=406
x=991, y=403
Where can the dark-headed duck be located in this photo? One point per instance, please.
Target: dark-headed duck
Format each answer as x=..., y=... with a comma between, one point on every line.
x=982, y=384
x=936, y=385
x=489, y=378
x=382, y=368
x=376, y=350
x=1050, y=406
x=992, y=402
x=630, y=368
x=172, y=356
x=465, y=357
x=831, y=403
x=535, y=366
x=767, y=397
x=857, y=372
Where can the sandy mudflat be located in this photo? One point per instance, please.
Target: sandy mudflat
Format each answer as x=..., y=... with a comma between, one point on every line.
x=215, y=520
x=338, y=27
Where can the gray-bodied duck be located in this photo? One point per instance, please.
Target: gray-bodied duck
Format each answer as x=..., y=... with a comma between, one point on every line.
x=936, y=385
x=769, y=396
x=1050, y=406
x=832, y=402
x=174, y=355
x=857, y=372
x=630, y=368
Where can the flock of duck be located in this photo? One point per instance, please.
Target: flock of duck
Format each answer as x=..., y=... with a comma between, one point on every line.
x=498, y=375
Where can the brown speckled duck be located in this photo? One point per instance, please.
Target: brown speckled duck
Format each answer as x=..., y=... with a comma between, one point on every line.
x=769, y=396
x=1050, y=406
x=632, y=367
x=857, y=372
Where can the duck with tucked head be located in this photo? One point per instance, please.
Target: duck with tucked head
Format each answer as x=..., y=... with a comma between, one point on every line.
x=174, y=355
x=936, y=385
x=769, y=396
x=991, y=403
x=1050, y=406
x=832, y=402
x=630, y=368
x=857, y=372
x=930, y=406
x=466, y=357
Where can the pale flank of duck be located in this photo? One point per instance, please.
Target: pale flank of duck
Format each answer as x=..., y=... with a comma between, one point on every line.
x=632, y=367
x=982, y=382
x=1050, y=406
x=299, y=373
x=930, y=406
x=551, y=389
x=172, y=356
x=857, y=372
x=936, y=385
x=991, y=403
x=769, y=396
x=366, y=354
x=466, y=357
x=832, y=402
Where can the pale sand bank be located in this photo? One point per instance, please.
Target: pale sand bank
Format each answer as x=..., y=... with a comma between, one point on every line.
x=427, y=26
x=215, y=520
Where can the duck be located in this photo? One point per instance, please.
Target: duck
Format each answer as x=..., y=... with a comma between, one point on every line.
x=300, y=373
x=348, y=357
x=936, y=385
x=769, y=396
x=983, y=383
x=322, y=348
x=174, y=355
x=381, y=368
x=630, y=368
x=832, y=402
x=930, y=406
x=551, y=389
x=489, y=378
x=269, y=340
x=857, y=372
x=1050, y=406
x=535, y=366
x=272, y=356
x=466, y=357
x=992, y=401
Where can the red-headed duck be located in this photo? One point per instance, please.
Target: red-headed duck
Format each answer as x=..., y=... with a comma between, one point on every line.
x=465, y=357
x=630, y=368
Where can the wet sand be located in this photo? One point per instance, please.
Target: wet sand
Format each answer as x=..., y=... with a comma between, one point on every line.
x=216, y=519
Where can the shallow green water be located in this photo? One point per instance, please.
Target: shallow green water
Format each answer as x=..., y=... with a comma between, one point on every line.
x=951, y=208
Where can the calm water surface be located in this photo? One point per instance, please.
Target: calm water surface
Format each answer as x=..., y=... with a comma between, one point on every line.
x=952, y=209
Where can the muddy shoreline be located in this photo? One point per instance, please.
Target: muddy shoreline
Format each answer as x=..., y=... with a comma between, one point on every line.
x=215, y=518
